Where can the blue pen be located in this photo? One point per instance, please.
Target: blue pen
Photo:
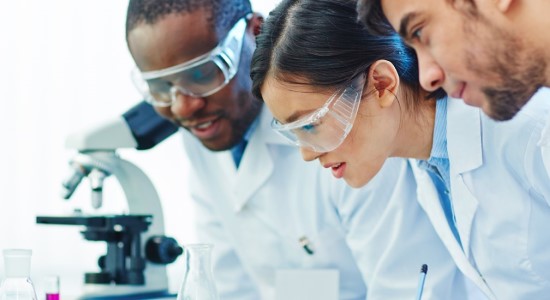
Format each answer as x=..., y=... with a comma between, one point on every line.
x=421, y=281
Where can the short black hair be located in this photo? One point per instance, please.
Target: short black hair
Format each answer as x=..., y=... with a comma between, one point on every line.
x=225, y=13
x=371, y=15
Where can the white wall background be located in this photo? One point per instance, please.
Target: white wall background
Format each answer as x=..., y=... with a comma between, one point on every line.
x=64, y=66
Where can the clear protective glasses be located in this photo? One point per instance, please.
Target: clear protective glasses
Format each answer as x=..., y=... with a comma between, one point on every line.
x=199, y=77
x=327, y=127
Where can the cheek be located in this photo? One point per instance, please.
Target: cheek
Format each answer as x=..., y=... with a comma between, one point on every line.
x=164, y=112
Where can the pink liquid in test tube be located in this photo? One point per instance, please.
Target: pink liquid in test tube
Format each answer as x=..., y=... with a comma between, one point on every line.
x=52, y=288
x=52, y=296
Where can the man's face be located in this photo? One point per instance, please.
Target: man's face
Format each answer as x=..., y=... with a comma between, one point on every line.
x=471, y=52
x=220, y=120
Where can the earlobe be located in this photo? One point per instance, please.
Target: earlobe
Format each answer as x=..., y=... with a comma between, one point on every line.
x=384, y=80
x=255, y=23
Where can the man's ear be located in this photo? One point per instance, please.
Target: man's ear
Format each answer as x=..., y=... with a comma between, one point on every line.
x=255, y=22
x=384, y=80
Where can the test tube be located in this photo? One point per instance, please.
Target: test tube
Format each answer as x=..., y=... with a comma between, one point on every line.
x=51, y=287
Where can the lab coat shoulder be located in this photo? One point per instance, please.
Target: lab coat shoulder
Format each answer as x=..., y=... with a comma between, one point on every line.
x=544, y=142
x=518, y=141
x=500, y=191
x=501, y=148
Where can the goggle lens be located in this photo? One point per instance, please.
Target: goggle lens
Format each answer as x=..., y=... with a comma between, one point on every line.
x=200, y=77
x=325, y=129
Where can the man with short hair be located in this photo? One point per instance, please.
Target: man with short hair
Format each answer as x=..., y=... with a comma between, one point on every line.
x=492, y=54
x=266, y=211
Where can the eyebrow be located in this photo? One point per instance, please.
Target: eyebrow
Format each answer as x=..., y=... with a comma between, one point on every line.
x=404, y=25
x=297, y=114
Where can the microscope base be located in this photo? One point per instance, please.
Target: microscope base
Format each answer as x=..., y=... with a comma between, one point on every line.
x=113, y=292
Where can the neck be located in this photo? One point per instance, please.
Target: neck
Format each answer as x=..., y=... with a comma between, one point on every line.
x=415, y=136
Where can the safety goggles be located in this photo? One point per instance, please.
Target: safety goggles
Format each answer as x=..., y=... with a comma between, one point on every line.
x=199, y=77
x=327, y=127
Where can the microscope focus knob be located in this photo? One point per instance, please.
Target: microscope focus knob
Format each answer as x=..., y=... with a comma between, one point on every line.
x=162, y=249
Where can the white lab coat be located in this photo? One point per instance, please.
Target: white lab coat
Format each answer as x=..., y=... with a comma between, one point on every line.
x=544, y=141
x=501, y=198
x=255, y=216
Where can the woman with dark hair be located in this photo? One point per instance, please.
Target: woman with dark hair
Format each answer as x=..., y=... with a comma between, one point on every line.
x=352, y=100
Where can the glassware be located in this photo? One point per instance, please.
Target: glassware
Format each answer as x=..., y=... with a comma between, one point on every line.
x=18, y=284
x=51, y=287
x=198, y=282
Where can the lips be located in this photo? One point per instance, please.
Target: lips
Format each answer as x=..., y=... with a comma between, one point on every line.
x=204, y=129
x=336, y=168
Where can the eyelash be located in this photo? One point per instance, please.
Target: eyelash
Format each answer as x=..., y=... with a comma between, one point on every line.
x=308, y=127
x=416, y=34
x=312, y=127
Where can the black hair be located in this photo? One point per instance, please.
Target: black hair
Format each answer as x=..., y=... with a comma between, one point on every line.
x=371, y=15
x=225, y=13
x=322, y=42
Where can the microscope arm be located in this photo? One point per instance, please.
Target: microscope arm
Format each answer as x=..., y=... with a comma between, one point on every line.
x=140, y=127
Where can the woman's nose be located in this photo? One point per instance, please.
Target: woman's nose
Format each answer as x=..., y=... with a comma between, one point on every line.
x=185, y=106
x=431, y=74
x=308, y=154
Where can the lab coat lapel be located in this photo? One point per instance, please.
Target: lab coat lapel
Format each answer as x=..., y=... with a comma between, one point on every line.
x=544, y=143
x=464, y=146
x=428, y=199
x=257, y=164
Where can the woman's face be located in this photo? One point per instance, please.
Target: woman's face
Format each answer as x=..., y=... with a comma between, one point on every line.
x=370, y=142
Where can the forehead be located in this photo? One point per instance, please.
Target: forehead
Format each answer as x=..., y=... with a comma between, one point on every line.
x=396, y=10
x=286, y=99
x=172, y=40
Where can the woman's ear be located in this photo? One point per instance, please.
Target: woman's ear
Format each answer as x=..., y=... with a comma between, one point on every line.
x=383, y=78
x=255, y=21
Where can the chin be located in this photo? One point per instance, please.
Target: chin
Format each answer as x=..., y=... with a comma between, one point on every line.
x=354, y=183
x=222, y=142
x=217, y=145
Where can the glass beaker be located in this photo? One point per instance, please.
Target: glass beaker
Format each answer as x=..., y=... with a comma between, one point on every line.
x=198, y=282
x=17, y=285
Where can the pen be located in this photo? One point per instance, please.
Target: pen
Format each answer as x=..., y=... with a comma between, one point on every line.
x=421, y=280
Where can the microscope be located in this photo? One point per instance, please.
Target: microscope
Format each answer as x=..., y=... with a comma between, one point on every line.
x=134, y=266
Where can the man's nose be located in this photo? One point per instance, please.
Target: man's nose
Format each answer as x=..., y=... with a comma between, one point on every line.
x=308, y=154
x=432, y=75
x=184, y=106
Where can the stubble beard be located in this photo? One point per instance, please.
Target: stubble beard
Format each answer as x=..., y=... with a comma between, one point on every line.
x=516, y=69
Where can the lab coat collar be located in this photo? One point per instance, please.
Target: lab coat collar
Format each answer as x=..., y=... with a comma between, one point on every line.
x=465, y=148
x=256, y=165
x=464, y=140
x=428, y=198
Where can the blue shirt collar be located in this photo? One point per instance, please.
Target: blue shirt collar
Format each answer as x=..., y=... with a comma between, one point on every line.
x=439, y=144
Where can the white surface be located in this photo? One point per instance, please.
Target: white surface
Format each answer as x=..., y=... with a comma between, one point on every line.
x=307, y=284
x=64, y=67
